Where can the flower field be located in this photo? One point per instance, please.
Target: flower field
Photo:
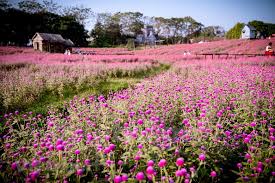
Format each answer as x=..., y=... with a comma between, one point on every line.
x=23, y=82
x=201, y=121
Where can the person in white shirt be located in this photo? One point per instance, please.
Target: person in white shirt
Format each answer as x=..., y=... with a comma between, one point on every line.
x=268, y=49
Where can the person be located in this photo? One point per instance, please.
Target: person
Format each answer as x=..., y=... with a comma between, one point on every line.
x=268, y=49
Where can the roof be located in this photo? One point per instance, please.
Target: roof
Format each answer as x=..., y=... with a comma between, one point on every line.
x=54, y=38
x=251, y=27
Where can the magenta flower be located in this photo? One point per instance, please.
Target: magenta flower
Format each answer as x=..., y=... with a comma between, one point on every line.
x=79, y=172
x=150, y=170
x=180, y=162
x=87, y=162
x=77, y=151
x=124, y=177
x=202, y=157
x=247, y=156
x=213, y=174
x=140, y=146
x=14, y=166
x=179, y=173
x=35, y=163
x=140, y=176
x=162, y=163
x=117, y=179
x=120, y=162
x=140, y=121
x=112, y=147
x=150, y=163
x=60, y=147
x=34, y=175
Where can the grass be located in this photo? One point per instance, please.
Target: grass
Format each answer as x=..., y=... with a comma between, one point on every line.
x=103, y=86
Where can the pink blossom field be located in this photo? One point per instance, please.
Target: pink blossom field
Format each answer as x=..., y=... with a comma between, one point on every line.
x=203, y=120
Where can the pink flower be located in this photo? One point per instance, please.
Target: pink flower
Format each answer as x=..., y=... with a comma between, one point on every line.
x=87, y=162
x=253, y=124
x=201, y=157
x=117, y=179
x=60, y=147
x=77, y=151
x=213, y=174
x=124, y=177
x=140, y=176
x=150, y=170
x=180, y=162
x=79, y=172
x=140, y=121
x=179, y=173
x=162, y=163
x=150, y=163
x=247, y=156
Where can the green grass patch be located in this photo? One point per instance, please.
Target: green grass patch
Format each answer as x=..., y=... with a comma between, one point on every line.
x=102, y=86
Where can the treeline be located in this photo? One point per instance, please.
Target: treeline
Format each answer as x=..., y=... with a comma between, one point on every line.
x=265, y=29
x=20, y=23
x=115, y=29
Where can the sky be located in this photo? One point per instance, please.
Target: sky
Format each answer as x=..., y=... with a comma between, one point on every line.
x=225, y=13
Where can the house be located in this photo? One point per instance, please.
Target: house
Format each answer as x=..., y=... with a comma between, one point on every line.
x=248, y=32
x=147, y=37
x=53, y=43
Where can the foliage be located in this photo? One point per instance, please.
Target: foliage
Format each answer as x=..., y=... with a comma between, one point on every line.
x=235, y=32
x=259, y=26
x=19, y=25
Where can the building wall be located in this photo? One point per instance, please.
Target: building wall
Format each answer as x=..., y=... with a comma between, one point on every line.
x=247, y=33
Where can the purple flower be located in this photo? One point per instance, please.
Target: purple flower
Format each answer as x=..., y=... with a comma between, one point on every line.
x=35, y=163
x=60, y=147
x=34, y=175
x=79, y=172
x=124, y=177
x=14, y=166
x=77, y=151
x=87, y=162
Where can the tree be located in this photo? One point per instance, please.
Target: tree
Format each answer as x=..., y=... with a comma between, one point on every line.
x=235, y=32
x=130, y=22
x=107, y=31
x=80, y=13
x=259, y=26
x=4, y=5
x=30, y=6
x=51, y=6
x=270, y=28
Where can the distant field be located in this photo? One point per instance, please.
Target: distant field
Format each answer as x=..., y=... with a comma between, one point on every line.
x=152, y=115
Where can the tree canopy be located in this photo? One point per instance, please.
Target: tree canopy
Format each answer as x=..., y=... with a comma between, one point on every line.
x=235, y=32
x=18, y=25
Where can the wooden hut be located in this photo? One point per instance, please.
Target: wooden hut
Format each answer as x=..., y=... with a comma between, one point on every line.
x=54, y=43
